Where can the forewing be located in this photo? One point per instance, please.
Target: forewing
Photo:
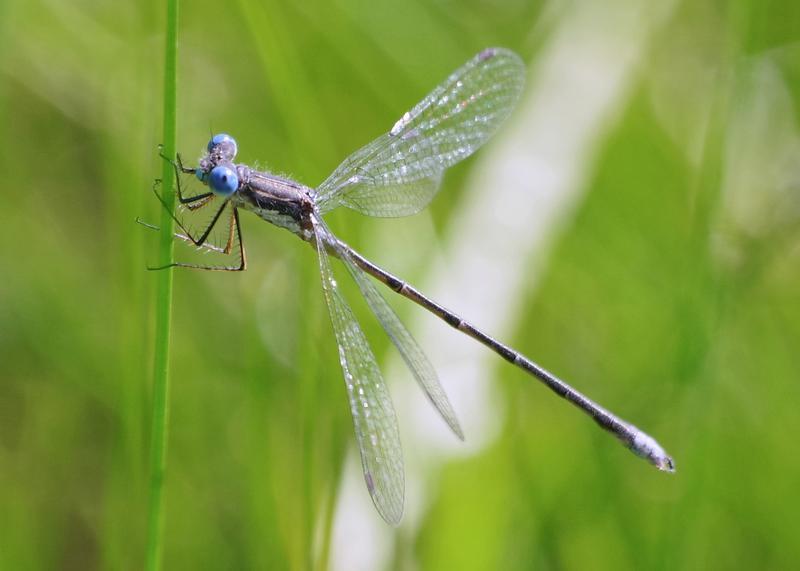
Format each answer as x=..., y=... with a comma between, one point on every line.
x=414, y=357
x=398, y=173
x=374, y=419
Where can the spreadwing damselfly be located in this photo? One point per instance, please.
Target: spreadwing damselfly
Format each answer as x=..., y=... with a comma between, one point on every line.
x=397, y=174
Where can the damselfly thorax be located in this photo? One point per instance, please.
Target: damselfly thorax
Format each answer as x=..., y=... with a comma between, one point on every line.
x=278, y=200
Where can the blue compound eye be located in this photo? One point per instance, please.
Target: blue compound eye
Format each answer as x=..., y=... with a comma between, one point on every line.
x=223, y=180
x=217, y=139
x=225, y=144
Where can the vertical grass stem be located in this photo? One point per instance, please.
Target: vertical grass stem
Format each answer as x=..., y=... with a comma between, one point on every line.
x=160, y=399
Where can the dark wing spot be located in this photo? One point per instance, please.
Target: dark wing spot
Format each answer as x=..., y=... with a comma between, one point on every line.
x=487, y=53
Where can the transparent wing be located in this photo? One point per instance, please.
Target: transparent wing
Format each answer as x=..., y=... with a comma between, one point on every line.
x=414, y=357
x=399, y=173
x=370, y=404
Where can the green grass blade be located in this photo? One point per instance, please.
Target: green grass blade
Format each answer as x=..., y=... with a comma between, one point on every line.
x=158, y=447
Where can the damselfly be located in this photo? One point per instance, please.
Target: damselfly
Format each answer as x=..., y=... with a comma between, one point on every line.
x=395, y=175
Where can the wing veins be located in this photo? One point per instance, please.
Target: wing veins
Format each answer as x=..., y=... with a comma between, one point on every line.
x=397, y=174
x=374, y=419
x=409, y=349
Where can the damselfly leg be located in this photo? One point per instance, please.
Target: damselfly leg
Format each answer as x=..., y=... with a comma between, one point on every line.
x=193, y=204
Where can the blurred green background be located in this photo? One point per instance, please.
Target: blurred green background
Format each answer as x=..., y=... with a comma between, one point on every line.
x=666, y=287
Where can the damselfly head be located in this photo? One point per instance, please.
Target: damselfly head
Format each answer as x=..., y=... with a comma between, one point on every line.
x=216, y=168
